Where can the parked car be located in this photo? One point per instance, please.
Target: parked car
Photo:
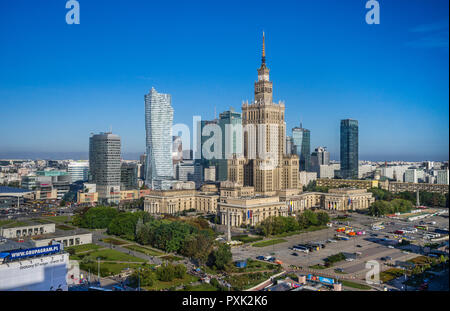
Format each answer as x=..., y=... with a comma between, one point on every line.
x=260, y=257
x=294, y=254
x=358, y=245
x=390, y=246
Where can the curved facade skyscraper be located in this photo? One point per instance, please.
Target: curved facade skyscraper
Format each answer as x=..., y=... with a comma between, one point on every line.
x=158, y=127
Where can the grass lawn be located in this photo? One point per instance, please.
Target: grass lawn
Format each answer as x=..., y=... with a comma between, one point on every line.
x=268, y=242
x=107, y=268
x=171, y=258
x=246, y=239
x=42, y=221
x=310, y=229
x=246, y=281
x=108, y=255
x=318, y=267
x=144, y=250
x=157, y=284
x=420, y=260
x=58, y=218
x=84, y=247
x=114, y=241
x=391, y=274
x=12, y=223
x=64, y=227
x=354, y=285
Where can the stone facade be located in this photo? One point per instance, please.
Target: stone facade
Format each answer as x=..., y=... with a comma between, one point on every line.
x=176, y=201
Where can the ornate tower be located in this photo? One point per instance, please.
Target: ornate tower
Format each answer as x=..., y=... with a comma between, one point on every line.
x=263, y=87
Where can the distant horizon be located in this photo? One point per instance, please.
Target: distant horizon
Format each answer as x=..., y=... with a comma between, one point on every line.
x=61, y=82
x=84, y=155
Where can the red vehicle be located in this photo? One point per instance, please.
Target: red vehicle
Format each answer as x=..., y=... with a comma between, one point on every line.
x=398, y=232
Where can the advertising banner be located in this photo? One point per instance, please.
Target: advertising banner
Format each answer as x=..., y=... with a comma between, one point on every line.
x=44, y=250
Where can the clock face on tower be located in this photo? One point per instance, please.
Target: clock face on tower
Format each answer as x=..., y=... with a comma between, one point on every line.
x=264, y=77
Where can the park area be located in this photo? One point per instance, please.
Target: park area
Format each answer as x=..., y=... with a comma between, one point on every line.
x=112, y=262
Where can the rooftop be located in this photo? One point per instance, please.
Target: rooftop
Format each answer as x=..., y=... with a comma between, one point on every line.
x=5, y=189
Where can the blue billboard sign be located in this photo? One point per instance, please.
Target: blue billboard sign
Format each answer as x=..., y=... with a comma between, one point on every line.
x=43, y=250
x=320, y=279
x=326, y=280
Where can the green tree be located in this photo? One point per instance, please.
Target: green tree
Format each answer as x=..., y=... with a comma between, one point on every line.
x=323, y=218
x=221, y=257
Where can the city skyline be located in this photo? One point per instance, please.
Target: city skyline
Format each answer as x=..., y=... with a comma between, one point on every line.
x=384, y=102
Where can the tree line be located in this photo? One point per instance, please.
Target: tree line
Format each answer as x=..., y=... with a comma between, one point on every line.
x=282, y=224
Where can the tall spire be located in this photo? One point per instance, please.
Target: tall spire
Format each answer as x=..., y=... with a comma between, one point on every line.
x=263, y=50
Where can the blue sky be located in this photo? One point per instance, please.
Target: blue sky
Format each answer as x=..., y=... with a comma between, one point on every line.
x=59, y=82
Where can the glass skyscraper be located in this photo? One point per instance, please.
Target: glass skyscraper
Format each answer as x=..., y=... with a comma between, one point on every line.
x=104, y=166
x=301, y=146
x=158, y=127
x=349, y=149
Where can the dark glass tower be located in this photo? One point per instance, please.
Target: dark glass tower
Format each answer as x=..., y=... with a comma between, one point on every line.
x=301, y=145
x=349, y=149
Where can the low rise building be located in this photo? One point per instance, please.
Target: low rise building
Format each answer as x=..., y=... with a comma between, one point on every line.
x=13, y=231
x=352, y=183
x=413, y=187
x=176, y=201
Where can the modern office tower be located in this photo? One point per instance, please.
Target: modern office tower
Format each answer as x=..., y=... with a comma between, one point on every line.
x=128, y=176
x=320, y=156
x=442, y=177
x=104, y=166
x=78, y=171
x=177, y=149
x=230, y=123
x=301, y=143
x=320, y=163
x=158, y=126
x=411, y=175
x=142, y=161
x=289, y=143
x=349, y=149
x=189, y=170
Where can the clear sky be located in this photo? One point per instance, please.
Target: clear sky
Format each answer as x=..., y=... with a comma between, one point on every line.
x=60, y=82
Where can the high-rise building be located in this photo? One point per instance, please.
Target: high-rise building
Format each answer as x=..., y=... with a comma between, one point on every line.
x=104, y=166
x=264, y=164
x=349, y=149
x=78, y=171
x=411, y=175
x=320, y=156
x=128, y=176
x=158, y=126
x=189, y=170
x=177, y=149
x=289, y=144
x=442, y=177
x=301, y=144
x=265, y=134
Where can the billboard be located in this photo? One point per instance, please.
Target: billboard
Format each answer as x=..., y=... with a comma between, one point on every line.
x=320, y=279
x=43, y=250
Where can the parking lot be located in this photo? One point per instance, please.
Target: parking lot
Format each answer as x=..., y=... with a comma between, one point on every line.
x=380, y=245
